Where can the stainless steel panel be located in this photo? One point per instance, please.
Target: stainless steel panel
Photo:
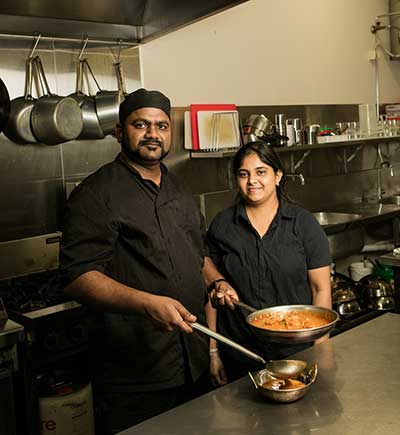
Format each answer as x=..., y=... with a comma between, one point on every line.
x=33, y=254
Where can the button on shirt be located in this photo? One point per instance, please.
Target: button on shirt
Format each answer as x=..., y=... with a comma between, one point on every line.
x=266, y=271
x=151, y=239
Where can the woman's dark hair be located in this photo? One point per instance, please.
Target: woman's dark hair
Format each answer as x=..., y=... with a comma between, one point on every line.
x=267, y=155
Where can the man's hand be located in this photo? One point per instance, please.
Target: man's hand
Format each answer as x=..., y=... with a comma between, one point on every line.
x=169, y=314
x=223, y=295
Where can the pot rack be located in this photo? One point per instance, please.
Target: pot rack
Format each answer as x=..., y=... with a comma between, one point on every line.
x=78, y=40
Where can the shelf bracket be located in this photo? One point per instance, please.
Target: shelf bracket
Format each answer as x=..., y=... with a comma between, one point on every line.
x=294, y=166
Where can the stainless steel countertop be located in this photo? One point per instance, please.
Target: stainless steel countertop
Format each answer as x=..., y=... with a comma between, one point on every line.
x=357, y=391
x=390, y=259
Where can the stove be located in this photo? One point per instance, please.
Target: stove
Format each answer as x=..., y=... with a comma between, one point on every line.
x=55, y=326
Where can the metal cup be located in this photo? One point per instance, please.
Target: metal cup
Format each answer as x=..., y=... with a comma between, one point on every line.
x=310, y=134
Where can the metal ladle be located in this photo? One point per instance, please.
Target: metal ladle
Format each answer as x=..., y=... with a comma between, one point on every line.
x=282, y=369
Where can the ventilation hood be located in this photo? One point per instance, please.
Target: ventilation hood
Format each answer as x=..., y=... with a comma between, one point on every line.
x=132, y=21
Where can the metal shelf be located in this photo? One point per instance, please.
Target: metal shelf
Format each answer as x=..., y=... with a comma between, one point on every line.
x=301, y=148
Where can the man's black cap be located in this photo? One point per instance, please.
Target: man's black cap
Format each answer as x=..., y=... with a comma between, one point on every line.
x=143, y=98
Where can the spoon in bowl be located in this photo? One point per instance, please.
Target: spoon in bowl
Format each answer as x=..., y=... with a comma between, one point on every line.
x=282, y=369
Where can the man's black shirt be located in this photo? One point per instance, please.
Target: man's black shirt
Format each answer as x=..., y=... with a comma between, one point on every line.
x=151, y=239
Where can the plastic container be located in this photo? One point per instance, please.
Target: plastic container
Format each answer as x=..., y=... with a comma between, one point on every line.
x=68, y=411
x=360, y=269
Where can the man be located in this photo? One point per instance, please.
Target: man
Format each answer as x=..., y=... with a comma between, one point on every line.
x=132, y=251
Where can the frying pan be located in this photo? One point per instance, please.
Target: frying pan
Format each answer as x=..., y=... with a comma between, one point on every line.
x=292, y=336
x=4, y=105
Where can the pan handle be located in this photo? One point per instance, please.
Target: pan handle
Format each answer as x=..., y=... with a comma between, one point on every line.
x=227, y=341
x=245, y=306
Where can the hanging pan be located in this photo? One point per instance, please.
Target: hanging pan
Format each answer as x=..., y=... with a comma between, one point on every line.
x=91, y=128
x=55, y=119
x=18, y=128
x=107, y=105
x=4, y=105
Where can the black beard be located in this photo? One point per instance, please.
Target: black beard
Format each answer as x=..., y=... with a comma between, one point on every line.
x=134, y=155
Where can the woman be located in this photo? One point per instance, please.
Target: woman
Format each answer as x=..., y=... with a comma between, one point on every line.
x=265, y=251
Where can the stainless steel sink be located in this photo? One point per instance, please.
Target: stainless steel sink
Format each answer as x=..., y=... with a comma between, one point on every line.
x=393, y=199
x=326, y=219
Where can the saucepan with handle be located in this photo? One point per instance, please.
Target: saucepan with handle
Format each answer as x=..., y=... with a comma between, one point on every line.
x=107, y=105
x=91, y=128
x=292, y=335
x=54, y=119
x=18, y=128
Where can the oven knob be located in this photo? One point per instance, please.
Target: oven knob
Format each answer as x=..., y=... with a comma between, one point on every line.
x=51, y=341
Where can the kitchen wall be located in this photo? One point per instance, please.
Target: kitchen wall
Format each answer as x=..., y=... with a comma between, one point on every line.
x=33, y=177
x=267, y=57
x=275, y=52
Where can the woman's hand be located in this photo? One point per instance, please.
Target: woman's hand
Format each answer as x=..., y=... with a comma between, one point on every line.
x=223, y=295
x=217, y=371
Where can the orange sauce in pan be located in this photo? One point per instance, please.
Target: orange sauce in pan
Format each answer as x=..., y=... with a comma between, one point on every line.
x=289, y=320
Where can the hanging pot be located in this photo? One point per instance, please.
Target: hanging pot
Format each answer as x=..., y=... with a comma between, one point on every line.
x=107, y=105
x=4, y=105
x=55, y=119
x=18, y=128
x=91, y=128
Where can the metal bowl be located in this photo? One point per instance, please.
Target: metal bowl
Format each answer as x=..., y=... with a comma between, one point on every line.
x=308, y=377
x=295, y=335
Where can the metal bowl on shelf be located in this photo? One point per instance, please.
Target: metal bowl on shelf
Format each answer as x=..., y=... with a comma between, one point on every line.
x=294, y=336
x=261, y=377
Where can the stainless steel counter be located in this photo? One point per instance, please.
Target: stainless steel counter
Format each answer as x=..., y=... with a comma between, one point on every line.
x=367, y=212
x=357, y=391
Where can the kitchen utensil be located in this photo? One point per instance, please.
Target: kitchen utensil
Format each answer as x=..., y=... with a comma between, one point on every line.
x=256, y=124
x=347, y=308
x=298, y=131
x=383, y=303
x=307, y=376
x=310, y=134
x=4, y=105
x=368, y=119
x=90, y=124
x=106, y=104
x=218, y=129
x=54, y=119
x=194, y=108
x=283, y=369
x=297, y=335
x=18, y=128
x=280, y=128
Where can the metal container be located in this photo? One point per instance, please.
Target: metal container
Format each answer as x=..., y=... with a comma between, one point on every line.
x=18, y=128
x=55, y=119
x=257, y=124
x=310, y=134
x=285, y=396
x=91, y=128
x=297, y=335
